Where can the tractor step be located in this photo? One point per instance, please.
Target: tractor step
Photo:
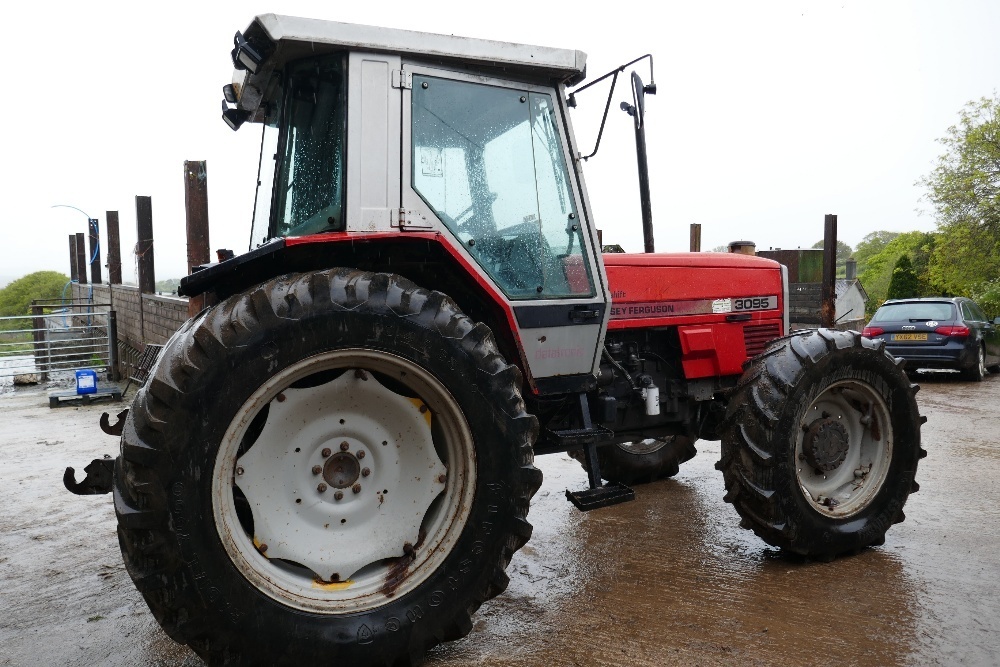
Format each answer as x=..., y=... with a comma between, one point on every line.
x=581, y=437
x=603, y=496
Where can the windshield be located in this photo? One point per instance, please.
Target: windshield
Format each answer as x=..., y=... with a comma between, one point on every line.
x=261, y=231
x=917, y=312
x=488, y=160
x=300, y=189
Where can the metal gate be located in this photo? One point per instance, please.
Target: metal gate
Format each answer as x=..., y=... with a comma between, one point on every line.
x=57, y=339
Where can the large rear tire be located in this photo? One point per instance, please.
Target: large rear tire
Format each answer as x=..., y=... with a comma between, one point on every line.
x=820, y=443
x=333, y=467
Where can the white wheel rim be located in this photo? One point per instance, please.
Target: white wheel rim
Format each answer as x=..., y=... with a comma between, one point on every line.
x=412, y=459
x=858, y=419
x=647, y=446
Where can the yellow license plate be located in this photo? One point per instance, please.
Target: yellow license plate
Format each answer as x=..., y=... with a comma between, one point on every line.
x=920, y=336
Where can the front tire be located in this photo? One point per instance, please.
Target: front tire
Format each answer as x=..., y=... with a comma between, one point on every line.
x=820, y=443
x=642, y=461
x=257, y=537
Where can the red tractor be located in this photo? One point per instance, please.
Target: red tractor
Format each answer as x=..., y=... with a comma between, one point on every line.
x=333, y=463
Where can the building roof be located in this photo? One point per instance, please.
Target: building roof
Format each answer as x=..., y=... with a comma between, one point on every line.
x=842, y=286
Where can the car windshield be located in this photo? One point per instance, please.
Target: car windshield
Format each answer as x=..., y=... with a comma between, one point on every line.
x=915, y=312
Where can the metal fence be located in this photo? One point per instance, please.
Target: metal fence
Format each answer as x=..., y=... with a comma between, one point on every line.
x=57, y=337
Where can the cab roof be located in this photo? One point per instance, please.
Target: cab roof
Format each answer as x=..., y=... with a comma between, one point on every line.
x=295, y=37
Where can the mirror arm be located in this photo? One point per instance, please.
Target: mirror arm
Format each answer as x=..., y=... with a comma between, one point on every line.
x=649, y=89
x=604, y=119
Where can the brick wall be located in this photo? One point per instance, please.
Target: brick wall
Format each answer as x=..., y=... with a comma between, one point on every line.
x=154, y=321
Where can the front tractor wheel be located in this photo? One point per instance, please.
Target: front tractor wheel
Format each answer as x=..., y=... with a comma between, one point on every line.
x=328, y=468
x=820, y=443
x=642, y=461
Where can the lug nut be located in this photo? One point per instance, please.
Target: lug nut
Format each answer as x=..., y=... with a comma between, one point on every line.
x=356, y=488
x=344, y=446
x=262, y=548
x=423, y=408
x=317, y=470
x=321, y=488
x=339, y=495
x=326, y=452
x=365, y=472
x=443, y=478
x=360, y=454
x=281, y=398
x=239, y=470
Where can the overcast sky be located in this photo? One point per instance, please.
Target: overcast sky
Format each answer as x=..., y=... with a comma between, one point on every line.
x=768, y=114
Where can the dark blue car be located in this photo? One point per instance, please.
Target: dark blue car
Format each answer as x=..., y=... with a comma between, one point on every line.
x=939, y=332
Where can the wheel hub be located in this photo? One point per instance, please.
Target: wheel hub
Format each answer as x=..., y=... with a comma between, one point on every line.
x=342, y=470
x=826, y=444
x=341, y=476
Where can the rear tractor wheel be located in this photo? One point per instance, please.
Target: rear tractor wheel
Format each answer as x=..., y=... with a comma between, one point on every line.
x=821, y=443
x=328, y=468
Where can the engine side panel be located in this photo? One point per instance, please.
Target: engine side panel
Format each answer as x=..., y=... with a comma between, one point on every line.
x=726, y=307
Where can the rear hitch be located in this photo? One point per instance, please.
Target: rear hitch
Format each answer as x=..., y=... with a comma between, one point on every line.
x=100, y=473
x=115, y=429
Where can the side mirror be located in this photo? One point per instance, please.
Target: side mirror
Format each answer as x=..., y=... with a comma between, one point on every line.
x=639, y=91
x=234, y=117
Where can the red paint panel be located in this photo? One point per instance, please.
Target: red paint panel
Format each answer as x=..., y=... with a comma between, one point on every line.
x=677, y=278
x=688, y=259
x=435, y=237
x=576, y=274
x=340, y=237
x=709, y=351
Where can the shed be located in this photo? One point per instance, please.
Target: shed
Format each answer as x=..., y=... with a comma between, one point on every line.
x=851, y=302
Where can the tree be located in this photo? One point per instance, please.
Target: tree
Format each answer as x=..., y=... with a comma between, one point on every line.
x=965, y=258
x=919, y=247
x=904, y=283
x=170, y=285
x=964, y=189
x=16, y=298
x=872, y=244
x=988, y=296
x=844, y=252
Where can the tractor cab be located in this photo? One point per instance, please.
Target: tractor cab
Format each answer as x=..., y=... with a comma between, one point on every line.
x=376, y=135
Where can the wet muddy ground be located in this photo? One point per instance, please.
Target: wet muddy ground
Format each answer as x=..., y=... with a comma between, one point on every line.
x=668, y=579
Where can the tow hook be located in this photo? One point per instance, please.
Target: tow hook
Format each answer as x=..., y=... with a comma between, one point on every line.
x=100, y=473
x=115, y=429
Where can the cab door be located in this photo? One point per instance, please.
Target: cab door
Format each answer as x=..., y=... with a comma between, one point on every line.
x=373, y=147
x=484, y=160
